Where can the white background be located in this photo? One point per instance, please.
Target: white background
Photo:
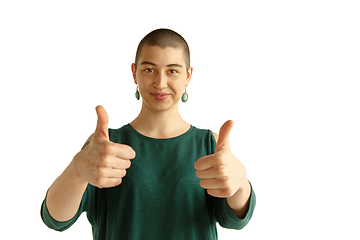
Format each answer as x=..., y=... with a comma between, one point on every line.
x=287, y=73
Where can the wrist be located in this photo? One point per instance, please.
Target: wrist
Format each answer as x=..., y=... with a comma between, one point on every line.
x=74, y=172
x=244, y=186
x=239, y=202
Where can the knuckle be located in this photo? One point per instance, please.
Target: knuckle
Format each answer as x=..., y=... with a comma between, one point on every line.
x=220, y=172
x=219, y=160
x=129, y=151
x=134, y=154
x=103, y=161
x=99, y=182
x=117, y=181
x=129, y=164
x=100, y=172
x=107, y=149
x=224, y=182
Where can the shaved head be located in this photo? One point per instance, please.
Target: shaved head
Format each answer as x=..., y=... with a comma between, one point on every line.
x=164, y=38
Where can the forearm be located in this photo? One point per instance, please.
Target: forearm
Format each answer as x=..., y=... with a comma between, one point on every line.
x=65, y=194
x=239, y=202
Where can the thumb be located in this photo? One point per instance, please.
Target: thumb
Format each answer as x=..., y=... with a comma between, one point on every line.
x=102, y=122
x=224, y=134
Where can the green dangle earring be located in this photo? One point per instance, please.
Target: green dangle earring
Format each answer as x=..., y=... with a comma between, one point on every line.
x=137, y=94
x=185, y=96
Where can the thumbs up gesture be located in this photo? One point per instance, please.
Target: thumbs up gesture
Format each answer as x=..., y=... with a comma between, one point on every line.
x=221, y=173
x=103, y=163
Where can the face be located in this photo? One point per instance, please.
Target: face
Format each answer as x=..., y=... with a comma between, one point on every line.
x=162, y=76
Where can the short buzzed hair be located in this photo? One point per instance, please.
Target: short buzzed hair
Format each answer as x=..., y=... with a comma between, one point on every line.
x=165, y=38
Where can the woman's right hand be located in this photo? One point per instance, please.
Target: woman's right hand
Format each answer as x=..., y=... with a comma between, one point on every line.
x=102, y=163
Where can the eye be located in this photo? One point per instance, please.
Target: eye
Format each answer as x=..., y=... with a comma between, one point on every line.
x=172, y=71
x=149, y=70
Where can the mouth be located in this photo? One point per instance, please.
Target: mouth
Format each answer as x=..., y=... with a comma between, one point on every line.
x=160, y=96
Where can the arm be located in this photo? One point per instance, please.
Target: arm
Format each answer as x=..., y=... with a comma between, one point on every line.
x=223, y=175
x=239, y=202
x=100, y=163
x=64, y=196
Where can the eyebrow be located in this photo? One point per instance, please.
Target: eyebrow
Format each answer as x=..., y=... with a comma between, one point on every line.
x=169, y=65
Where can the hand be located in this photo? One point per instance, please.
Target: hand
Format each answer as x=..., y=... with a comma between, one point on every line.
x=221, y=173
x=103, y=163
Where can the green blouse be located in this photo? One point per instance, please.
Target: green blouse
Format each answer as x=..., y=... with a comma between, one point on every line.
x=160, y=196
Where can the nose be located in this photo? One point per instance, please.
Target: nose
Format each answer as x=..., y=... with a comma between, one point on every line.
x=160, y=81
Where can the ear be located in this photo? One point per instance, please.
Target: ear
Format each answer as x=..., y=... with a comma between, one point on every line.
x=189, y=75
x=133, y=70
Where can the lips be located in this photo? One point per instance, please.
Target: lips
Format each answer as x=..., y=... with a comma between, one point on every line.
x=160, y=96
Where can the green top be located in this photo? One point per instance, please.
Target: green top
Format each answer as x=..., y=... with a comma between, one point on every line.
x=160, y=196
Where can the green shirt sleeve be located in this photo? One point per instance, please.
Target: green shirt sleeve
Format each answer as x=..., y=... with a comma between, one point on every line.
x=56, y=225
x=227, y=218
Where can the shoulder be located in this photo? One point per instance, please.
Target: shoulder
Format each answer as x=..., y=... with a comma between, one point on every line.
x=118, y=135
x=216, y=136
x=206, y=132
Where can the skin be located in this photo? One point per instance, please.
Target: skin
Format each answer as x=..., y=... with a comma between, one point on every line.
x=103, y=163
x=223, y=175
x=162, y=70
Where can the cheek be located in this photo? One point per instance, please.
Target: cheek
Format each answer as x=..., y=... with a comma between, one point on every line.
x=178, y=87
x=144, y=80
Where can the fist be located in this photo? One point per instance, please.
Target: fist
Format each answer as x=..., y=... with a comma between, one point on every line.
x=221, y=173
x=103, y=163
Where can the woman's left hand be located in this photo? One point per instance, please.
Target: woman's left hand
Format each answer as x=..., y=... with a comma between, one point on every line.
x=221, y=173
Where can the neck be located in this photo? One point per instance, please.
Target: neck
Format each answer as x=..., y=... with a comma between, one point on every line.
x=160, y=124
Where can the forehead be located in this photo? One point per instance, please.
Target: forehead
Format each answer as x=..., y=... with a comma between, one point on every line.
x=162, y=56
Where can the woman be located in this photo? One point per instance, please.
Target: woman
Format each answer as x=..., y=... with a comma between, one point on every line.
x=141, y=181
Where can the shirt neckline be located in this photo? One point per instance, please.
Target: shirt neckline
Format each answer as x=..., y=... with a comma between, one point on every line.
x=161, y=139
